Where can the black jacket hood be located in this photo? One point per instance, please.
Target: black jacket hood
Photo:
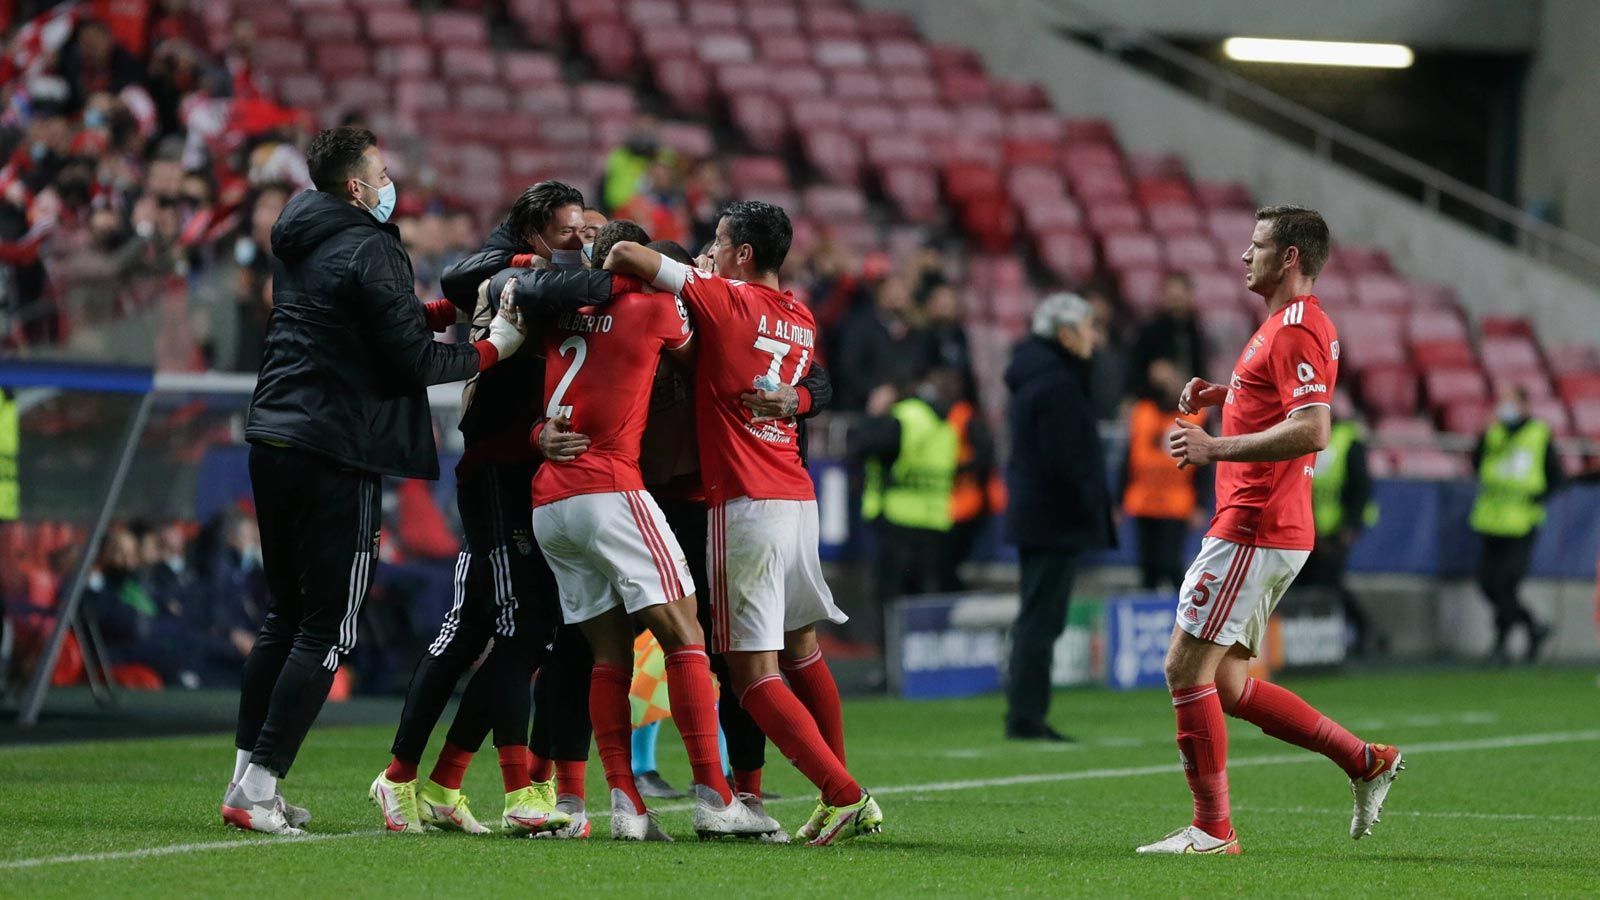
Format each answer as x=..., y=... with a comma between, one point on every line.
x=311, y=217
x=1037, y=355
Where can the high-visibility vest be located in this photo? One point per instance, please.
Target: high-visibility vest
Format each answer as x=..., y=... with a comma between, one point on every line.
x=1511, y=479
x=967, y=499
x=10, y=447
x=1157, y=488
x=1327, y=486
x=916, y=493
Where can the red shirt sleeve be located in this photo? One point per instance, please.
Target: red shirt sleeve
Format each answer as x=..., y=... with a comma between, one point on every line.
x=707, y=294
x=672, y=321
x=1303, y=368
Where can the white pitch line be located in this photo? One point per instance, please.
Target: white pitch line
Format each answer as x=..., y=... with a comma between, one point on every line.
x=1499, y=743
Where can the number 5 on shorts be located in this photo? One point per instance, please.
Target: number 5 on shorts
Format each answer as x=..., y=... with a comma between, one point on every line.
x=1202, y=589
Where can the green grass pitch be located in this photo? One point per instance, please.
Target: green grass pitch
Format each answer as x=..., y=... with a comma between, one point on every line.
x=1501, y=798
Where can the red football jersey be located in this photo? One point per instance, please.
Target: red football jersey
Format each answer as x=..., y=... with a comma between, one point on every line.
x=599, y=365
x=747, y=332
x=1291, y=363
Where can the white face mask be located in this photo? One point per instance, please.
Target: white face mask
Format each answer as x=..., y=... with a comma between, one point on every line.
x=385, y=207
x=562, y=259
x=1508, y=412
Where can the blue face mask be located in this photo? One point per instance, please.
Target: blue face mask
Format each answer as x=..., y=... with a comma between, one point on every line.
x=385, y=207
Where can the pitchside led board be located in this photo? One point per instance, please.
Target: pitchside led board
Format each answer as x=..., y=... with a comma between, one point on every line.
x=955, y=645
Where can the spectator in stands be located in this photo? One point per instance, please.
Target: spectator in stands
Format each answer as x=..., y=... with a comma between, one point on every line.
x=1162, y=499
x=92, y=63
x=978, y=492
x=628, y=168
x=706, y=194
x=1518, y=469
x=1060, y=504
x=1109, y=369
x=910, y=453
x=1172, y=334
x=880, y=345
x=945, y=333
x=1342, y=507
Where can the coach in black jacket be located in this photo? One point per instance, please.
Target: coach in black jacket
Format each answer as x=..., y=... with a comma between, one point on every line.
x=1060, y=502
x=341, y=399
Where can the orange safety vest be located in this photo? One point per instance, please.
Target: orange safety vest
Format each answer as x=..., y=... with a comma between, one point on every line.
x=971, y=497
x=1157, y=488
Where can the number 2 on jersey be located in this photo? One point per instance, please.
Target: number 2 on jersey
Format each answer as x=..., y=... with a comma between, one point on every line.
x=779, y=350
x=580, y=348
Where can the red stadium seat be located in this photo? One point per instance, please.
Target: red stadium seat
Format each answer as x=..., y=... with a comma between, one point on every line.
x=1442, y=354
x=609, y=45
x=1140, y=290
x=887, y=23
x=1174, y=219
x=1371, y=339
x=1111, y=217
x=963, y=183
x=761, y=120
x=869, y=119
x=952, y=56
x=1430, y=464
x=841, y=53
x=749, y=79
x=1586, y=418
x=342, y=60
x=549, y=100
x=411, y=97
x=686, y=84
x=856, y=85
x=1452, y=385
x=1043, y=213
x=1572, y=359
x=1094, y=184
x=1389, y=390
x=1405, y=429
x=827, y=201
x=688, y=139
x=965, y=88
x=1466, y=416
x=1359, y=260
x=1579, y=386
x=330, y=25
x=1021, y=96
x=523, y=70
x=964, y=148
x=1190, y=251
x=1534, y=381
x=362, y=93
x=1069, y=255
x=897, y=150
x=1019, y=153
x=1163, y=190
x=1436, y=325
x=606, y=100
x=1216, y=288
x=763, y=20
x=273, y=21
x=834, y=154
x=812, y=114
x=1505, y=326
x=748, y=172
x=1511, y=355
x=652, y=13
x=912, y=88
x=305, y=91
x=1034, y=182
x=282, y=56
x=457, y=29
x=991, y=223
x=725, y=47
x=929, y=121
x=980, y=121
x=406, y=61
x=1130, y=250
x=1334, y=290
x=1228, y=196
x=667, y=41
x=567, y=133
x=914, y=191
x=830, y=22
x=1552, y=412
x=703, y=14
x=783, y=48
x=1380, y=289
x=900, y=55
x=1033, y=125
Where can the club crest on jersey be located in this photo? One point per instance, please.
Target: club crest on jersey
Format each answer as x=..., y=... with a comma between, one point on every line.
x=1305, y=372
x=683, y=311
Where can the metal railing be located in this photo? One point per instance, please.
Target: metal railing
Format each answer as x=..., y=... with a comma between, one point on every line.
x=1437, y=191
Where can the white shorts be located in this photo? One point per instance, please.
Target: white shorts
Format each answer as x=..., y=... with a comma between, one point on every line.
x=1232, y=589
x=766, y=576
x=610, y=550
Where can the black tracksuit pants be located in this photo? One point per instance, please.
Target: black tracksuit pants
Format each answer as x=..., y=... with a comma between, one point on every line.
x=1502, y=568
x=747, y=745
x=503, y=590
x=1161, y=552
x=319, y=525
x=1046, y=593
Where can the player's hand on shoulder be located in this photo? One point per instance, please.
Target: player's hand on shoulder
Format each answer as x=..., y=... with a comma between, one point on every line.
x=1199, y=394
x=558, y=443
x=1190, y=445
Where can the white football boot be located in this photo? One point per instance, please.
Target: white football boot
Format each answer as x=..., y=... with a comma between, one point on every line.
x=714, y=819
x=1190, y=839
x=1371, y=789
x=265, y=816
x=628, y=824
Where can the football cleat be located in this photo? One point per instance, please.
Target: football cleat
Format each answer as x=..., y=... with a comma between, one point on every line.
x=578, y=826
x=814, y=824
x=842, y=823
x=546, y=791
x=1371, y=789
x=653, y=787
x=266, y=816
x=297, y=816
x=398, y=800
x=714, y=819
x=628, y=824
x=758, y=809
x=527, y=813
x=1190, y=839
x=446, y=809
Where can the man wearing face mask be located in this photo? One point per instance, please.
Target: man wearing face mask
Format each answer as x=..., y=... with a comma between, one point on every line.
x=1517, y=470
x=341, y=400
x=504, y=588
x=1060, y=504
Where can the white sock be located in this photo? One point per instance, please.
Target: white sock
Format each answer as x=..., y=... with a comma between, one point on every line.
x=241, y=761
x=258, y=784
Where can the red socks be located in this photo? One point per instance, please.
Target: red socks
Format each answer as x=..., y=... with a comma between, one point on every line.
x=539, y=768
x=610, y=715
x=400, y=771
x=570, y=775
x=694, y=711
x=792, y=730
x=514, y=767
x=1203, y=745
x=747, y=782
x=812, y=682
x=451, y=767
x=1283, y=715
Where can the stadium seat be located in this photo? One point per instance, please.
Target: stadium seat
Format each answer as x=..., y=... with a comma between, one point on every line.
x=305, y=91
x=826, y=201
x=1174, y=219
x=1020, y=96
x=1442, y=354
x=1371, y=339
x=896, y=150
x=1216, y=288
x=767, y=20
x=550, y=100
x=784, y=48
x=1232, y=226
x=341, y=60
x=1436, y=325
x=761, y=120
x=482, y=98
x=1554, y=412
x=1586, y=418
x=750, y=172
x=1510, y=355
x=1360, y=260
x=1397, y=429
x=841, y=53
x=457, y=29
x=1190, y=252
x=1571, y=359
x=1578, y=386
x=856, y=85
x=962, y=147
x=610, y=46
x=691, y=140
x=1389, y=390
x=605, y=100
x=893, y=55
x=1229, y=197
x=1336, y=293
x=991, y=223
x=830, y=22
x=878, y=23
x=1466, y=416
x=834, y=154
x=1033, y=125
x=867, y=120
x=1380, y=289
x=686, y=85
x=703, y=14
x=1035, y=182
x=809, y=114
x=912, y=87
x=1505, y=326
x=1111, y=217
x=414, y=61
x=964, y=88
x=914, y=191
x=979, y=121
x=1069, y=255
x=1430, y=464
x=363, y=93
x=330, y=25
x=1445, y=386
x=645, y=14
x=1140, y=290
x=667, y=42
x=963, y=183
x=1043, y=212
x=927, y=120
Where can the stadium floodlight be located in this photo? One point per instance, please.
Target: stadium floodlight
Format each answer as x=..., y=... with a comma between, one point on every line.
x=1318, y=53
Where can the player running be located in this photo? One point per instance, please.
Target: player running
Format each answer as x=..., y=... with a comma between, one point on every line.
x=1275, y=419
x=767, y=588
x=613, y=553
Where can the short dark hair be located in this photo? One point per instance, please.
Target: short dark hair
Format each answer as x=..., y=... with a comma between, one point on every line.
x=764, y=227
x=1297, y=226
x=615, y=231
x=335, y=154
x=672, y=250
x=533, y=209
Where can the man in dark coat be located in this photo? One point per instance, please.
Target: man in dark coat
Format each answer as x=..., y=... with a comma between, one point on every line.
x=341, y=400
x=1060, y=504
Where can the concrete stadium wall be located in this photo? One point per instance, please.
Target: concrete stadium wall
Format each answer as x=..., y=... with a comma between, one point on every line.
x=1017, y=40
x=1561, y=116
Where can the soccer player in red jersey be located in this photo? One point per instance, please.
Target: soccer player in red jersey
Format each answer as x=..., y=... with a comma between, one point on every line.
x=613, y=553
x=1275, y=419
x=767, y=588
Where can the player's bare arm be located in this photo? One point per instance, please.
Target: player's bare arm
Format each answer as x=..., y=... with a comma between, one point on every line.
x=1304, y=431
x=1199, y=394
x=629, y=258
